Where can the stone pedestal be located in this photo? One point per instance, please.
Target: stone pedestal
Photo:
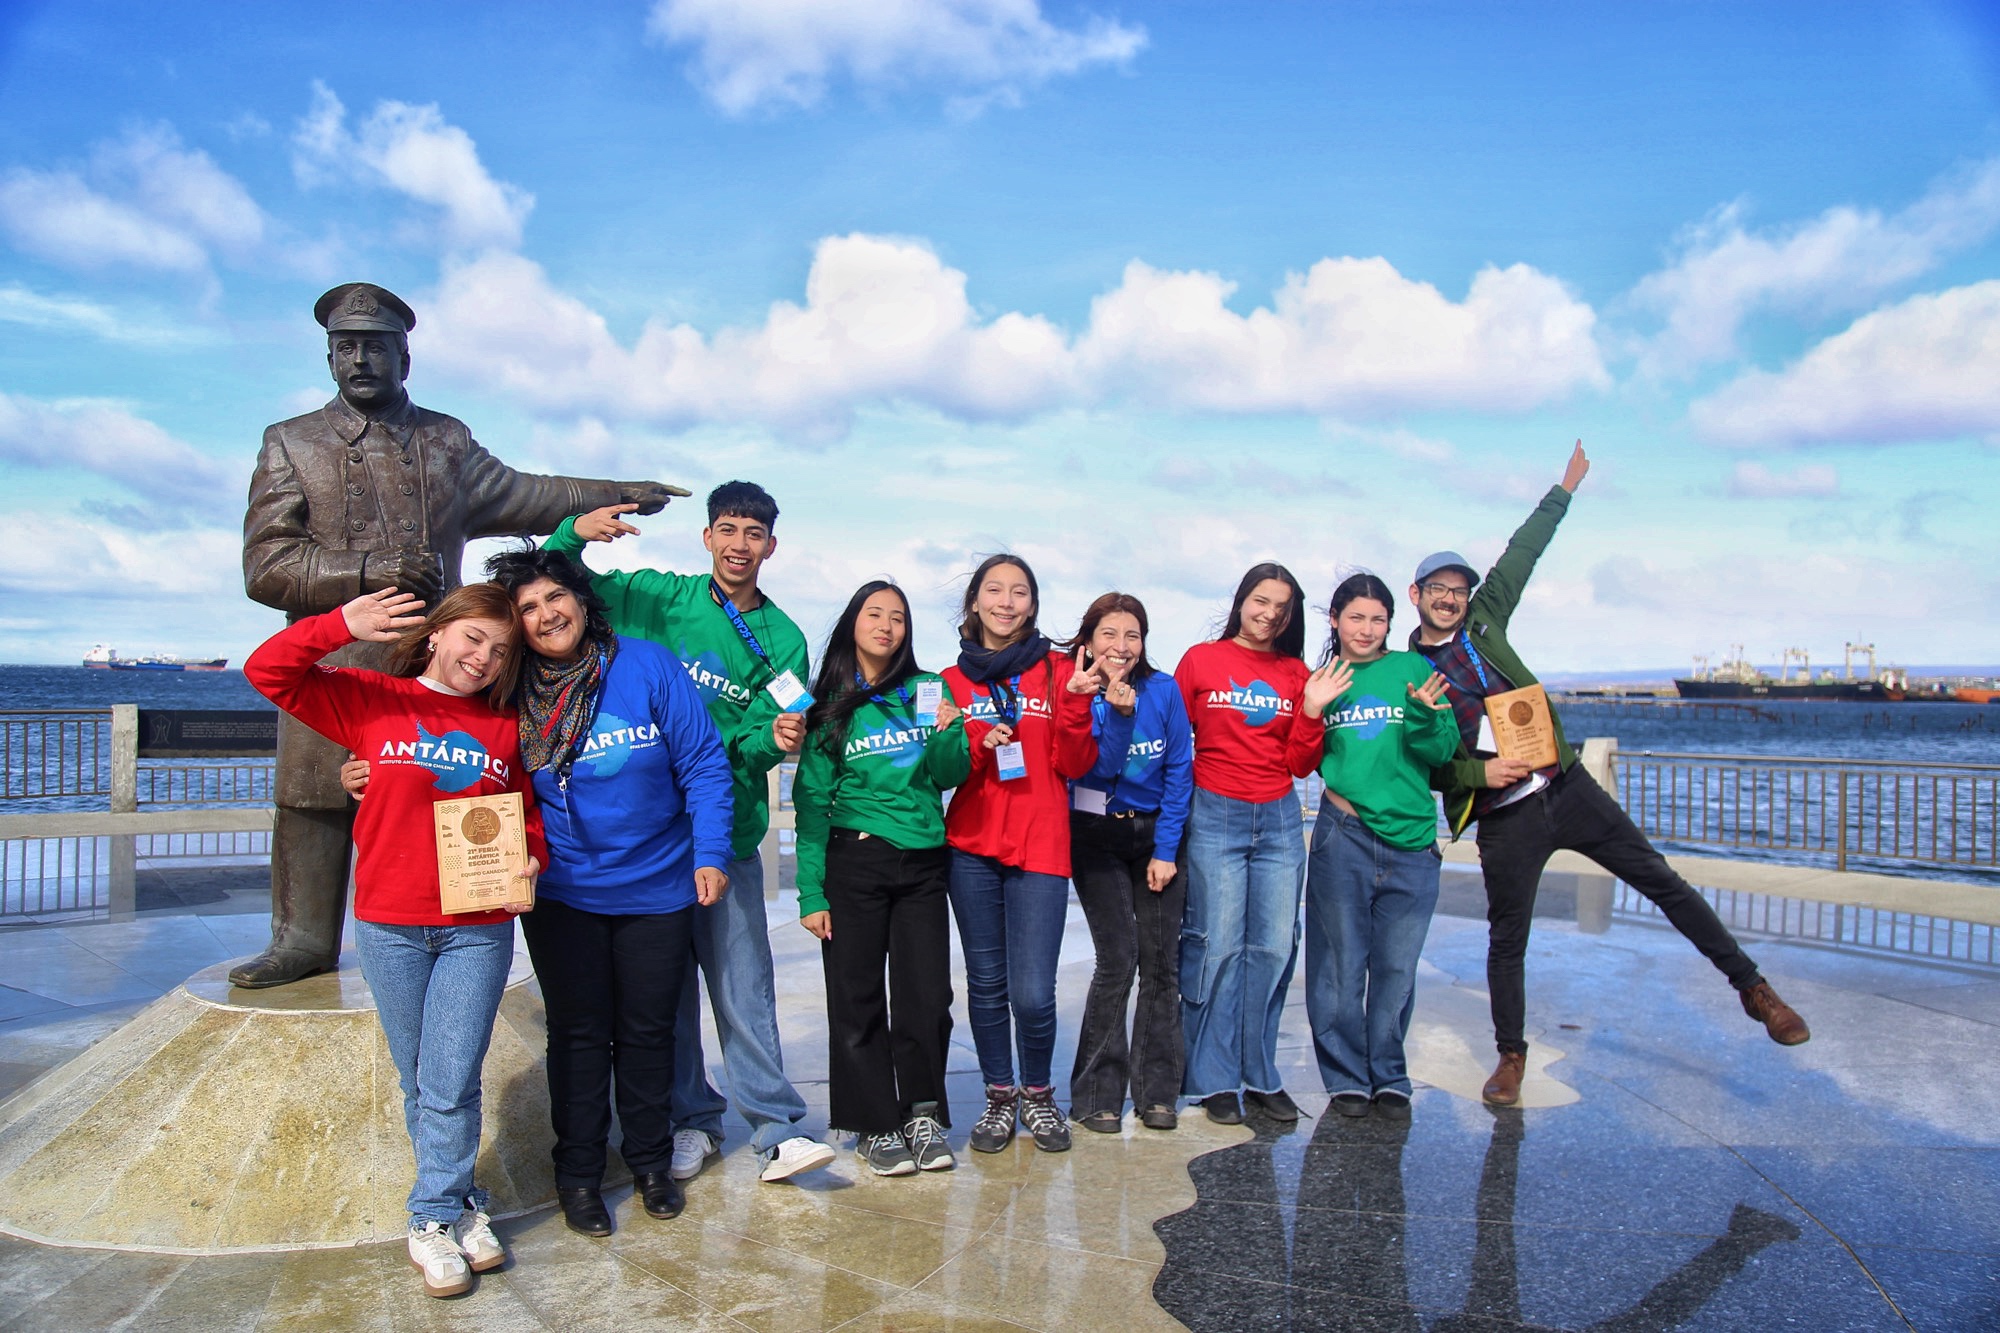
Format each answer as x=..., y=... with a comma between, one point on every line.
x=221, y=1120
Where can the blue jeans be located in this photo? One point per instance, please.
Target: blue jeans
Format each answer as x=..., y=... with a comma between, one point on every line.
x=436, y=991
x=1010, y=925
x=1368, y=908
x=1239, y=939
x=732, y=948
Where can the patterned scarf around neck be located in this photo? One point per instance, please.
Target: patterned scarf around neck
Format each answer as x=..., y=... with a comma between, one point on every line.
x=558, y=704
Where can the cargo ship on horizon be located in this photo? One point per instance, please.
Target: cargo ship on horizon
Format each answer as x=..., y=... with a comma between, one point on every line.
x=104, y=657
x=1737, y=678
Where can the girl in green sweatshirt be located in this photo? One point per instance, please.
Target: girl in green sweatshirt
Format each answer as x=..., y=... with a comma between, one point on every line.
x=883, y=742
x=1374, y=723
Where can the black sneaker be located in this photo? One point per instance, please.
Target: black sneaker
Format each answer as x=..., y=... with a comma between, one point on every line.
x=994, y=1129
x=1353, y=1104
x=1043, y=1120
x=1223, y=1108
x=1392, y=1106
x=1277, y=1105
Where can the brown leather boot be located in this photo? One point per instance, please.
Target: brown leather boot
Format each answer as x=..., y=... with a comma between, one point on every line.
x=1779, y=1019
x=1504, y=1088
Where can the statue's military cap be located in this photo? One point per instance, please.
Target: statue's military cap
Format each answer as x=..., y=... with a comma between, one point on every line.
x=357, y=306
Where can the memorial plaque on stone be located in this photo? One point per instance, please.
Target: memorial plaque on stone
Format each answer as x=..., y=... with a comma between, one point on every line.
x=201, y=733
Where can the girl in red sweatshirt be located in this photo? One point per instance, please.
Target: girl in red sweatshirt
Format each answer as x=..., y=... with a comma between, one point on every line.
x=1245, y=848
x=433, y=728
x=1027, y=721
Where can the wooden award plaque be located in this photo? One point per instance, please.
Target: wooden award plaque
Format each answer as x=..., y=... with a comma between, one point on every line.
x=482, y=847
x=1522, y=726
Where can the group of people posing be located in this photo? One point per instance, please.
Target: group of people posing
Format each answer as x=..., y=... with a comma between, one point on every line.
x=640, y=712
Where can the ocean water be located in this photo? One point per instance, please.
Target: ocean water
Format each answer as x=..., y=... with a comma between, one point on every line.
x=1911, y=733
x=96, y=687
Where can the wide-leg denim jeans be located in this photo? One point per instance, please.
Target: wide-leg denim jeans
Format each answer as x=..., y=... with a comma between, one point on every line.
x=1239, y=938
x=436, y=991
x=732, y=950
x=1368, y=908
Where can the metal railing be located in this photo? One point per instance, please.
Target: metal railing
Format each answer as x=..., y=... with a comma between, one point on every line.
x=1942, y=816
x=1852, y=927
x=83, y=811
x=47, y=753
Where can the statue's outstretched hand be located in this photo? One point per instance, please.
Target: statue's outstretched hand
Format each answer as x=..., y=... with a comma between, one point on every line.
x=650, y=496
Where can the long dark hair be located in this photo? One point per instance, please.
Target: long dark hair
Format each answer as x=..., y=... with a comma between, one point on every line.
x=1291, y=639
x=411, y=653
x=1104, y=606
x=968, y=623
x=836, y=696
x=1352, y=588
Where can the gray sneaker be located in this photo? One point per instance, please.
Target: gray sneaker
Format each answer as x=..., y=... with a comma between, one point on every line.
x=925, y=1137
x=994, y=1129
x=886, y=1154
x=1043, y=1120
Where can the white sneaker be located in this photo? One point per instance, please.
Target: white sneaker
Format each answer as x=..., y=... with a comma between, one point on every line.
x=692, y=1149
x=434, y=1255
x=793, y=1156
x=475, y=1239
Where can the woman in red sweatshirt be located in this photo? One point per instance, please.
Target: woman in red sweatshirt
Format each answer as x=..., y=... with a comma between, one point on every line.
x=1246, y=857
x=433, y=728
x=1027, y=720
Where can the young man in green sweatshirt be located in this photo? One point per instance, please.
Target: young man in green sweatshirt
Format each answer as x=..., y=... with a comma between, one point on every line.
x=1525, y=816
x=736, y=644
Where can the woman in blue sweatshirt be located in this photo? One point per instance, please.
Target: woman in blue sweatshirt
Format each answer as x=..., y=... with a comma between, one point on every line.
x=635, y=795
x=1126, y=819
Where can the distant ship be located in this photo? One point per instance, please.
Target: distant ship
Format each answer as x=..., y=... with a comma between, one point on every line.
x=1736, y=678
x=103, y=657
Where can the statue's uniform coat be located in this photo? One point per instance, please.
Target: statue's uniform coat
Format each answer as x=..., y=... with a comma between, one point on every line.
x=331, y=486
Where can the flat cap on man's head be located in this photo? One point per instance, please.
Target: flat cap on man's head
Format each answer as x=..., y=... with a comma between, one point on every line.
x=1437, y=560
x=362, y=306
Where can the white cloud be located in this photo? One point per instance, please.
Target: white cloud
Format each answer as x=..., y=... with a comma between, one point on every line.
x=1841, y=260
x=752, y=53
x=144, y=201
x=1349, y=336
x=109, y=442
x=416, y=152
x=19, y=305
x=1755, y=481
x=1927, y=368
x=886, y=321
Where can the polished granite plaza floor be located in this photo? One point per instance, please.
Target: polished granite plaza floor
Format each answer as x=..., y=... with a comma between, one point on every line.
x=1672, y=1169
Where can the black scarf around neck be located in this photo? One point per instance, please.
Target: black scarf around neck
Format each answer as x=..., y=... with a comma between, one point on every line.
x=983, y=665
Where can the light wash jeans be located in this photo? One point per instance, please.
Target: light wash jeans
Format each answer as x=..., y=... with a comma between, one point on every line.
x=732, y=947
x=436, y=991
x=1239, y=939
x=1010, y=925
x=1368, y=908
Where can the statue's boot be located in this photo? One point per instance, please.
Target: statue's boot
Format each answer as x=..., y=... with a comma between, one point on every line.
x=309, y=855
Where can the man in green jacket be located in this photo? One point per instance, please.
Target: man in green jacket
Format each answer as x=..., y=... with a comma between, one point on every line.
x=1526, y=815
x=735, y=643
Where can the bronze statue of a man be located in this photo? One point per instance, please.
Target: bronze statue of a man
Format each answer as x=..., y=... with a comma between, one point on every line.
x=368, y=492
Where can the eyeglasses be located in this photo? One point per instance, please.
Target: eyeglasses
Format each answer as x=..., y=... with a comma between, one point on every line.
x=1442, y=591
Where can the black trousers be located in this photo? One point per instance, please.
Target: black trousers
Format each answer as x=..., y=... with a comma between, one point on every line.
x=1132, y=929
x=888, y=1044
x=1573, y=813
x=612, y=985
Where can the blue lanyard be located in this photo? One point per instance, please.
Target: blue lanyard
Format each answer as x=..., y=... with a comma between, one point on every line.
x=1006, y=701
x=1485, y=686
x=902, y=695
x=736, y=619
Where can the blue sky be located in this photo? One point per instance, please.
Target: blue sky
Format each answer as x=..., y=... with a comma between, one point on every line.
x=1145, y=292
